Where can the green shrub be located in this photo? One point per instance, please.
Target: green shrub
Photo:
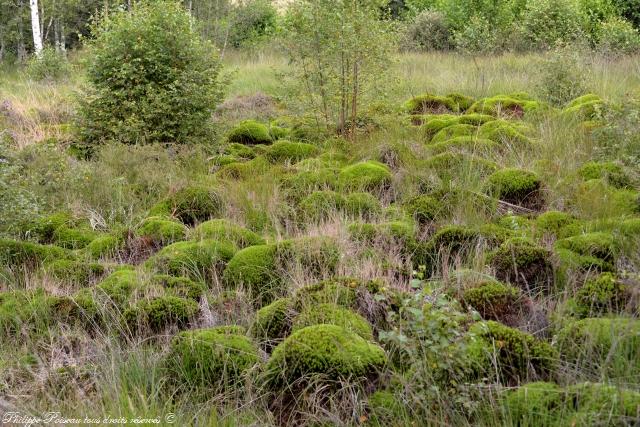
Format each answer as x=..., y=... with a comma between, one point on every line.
x=331, y=314
x=517, y=187
x=162, y=231
x=50, y=66
x=601, y=347
x=424, y=209
x=226, y=231
x=282, y=151
x=362, y=205
x=320, y=205
x=153, y=79
x=15, y=253
x=562, y=76
x=428, y=31
x=273, y=322
x=512, y=354
x=365, y=176
x=251, y=22
x=213, y=357
x=523, y=263
x=546, y=22
x=195, y=259
x=250, y=132
x=493, y=300
x=601, y=295
x=477, y=36
x=618, y=36
x=75, y=272
x=160, y=313
x=328, y=351
x=611, y=172
x=190, y=205
x=182, y=287
x=431, y=104
x=255, y=268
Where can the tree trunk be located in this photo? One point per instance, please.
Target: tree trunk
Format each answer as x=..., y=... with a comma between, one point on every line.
x=35, y=27
x=20, y=48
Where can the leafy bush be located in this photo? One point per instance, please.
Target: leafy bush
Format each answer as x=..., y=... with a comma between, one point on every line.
x=562, y=76
x=547, y=22
x=477, y=36
x=428, y=31
x=618, y=36
x=153, y=79
x=51, y=66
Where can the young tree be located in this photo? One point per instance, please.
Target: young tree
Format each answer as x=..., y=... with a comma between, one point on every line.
x=153, y=78
x=35, y=27
x=340, y=49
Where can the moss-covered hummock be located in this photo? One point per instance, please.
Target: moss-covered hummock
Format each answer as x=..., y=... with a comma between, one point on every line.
x=493, y=300
x=510, y=106
x=427, y=103
x=24, y=312
x=454, y=131
x=522, y=262
x=361, y=205
x=226, y=231
x=424, y=209
x=213, y=357
x=469, y=144
x=512, y=354
x=517, y=187
x=600, y=245
x=162, y=231
x=332, y=314
x=585, y=107
x=195, y=259
x=250, y=132
x=73, y=238
x=448, y=242
x=282, y=151
x=450, y=164
x=611, y=172
x=273, y=322
x=105, y=246
x=600, y=295
x=160, y=313
x=365, y=176
x=14, y=253
x=385, y=408
x=321, y=205
x=190, y=205
x=256, y=269
x=326, y=352
x=81, y=273
x=607, y=347
x=182, y=287
x=119, y=285
x=554, y=223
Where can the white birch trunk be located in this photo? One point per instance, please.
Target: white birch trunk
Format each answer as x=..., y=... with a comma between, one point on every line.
x=35, y=27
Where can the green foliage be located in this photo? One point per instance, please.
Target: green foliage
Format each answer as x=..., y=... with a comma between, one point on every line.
x=331, y=314
x=273, y=322
x=562, y=77
x=602, y=347
x=190, y=205
x=282, y=151
x=252, y=22
x=161, y=231
x=512, y=354
x=611, y=172
x=618, y=36
x=365, y=176
x=225, y=230
x=213, y=357
x=601, y=295
x=249, y=132
x=153, y=79
x=428, y=31
x=478, y=36
x=516, y=186
x=525, y=264
x=195, y=259
x=160, y=313
x=493, y=300
x=547, y=22
x=328, y=351
x=50, y=66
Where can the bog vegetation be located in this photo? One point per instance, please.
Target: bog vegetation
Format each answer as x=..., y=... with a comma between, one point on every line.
x=352, y=212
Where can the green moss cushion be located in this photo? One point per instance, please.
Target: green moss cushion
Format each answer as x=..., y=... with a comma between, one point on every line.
x=162, y=230
x=365, y=176
x=195, y=259
x=325, y=350
x=523, y=263
x=517, y=187
x=249, y=132
x=225, y=230
x=333, y=314
x=159, y=313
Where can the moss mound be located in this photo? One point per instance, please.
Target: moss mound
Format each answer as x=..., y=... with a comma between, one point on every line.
x=250, y=132
x=73, y=238
x=119, y=286
x=182, y=287
x=600, y=295
x=226, y=231
x=453, y=131
x=600, y=245
x=161, y=231
x=469, y=144
x=602, y=346
x=424, y=209
x=326, y=351
x=321, y=205
x=190, y=205
x=525, y=264
x=554, y=223
x=448, y=242
x=75, y=272
x=24, y=312
x=450, y=164
x=362, y=205
x=273, y=322
x=475, y=119
x=105, y=246
x=510, y=106
x=493, y=300
x=365, y=176
x=160, y=313
x=256, y=269
x=214, y=357
x=517, y=187
x=15, y=253
x=538, y=403
x=386, y=409
x=291, y=151
x=302, y=183
x=512, y=354
x=195, y=259
x=332, y=314
x=427, y=103
x=503, y=132
x=586, y=107
x=611, y=172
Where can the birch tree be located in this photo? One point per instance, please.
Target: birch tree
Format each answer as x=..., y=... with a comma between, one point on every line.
x=35, y=27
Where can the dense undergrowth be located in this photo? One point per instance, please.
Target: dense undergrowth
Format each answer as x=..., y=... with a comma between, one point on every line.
x=467, y=259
